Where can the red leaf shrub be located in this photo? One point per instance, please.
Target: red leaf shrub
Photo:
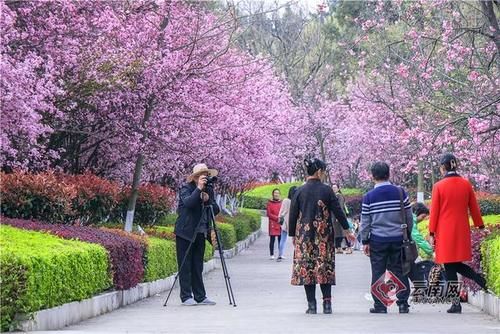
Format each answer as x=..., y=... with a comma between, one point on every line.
x=96, y=198
x=42, y=196
x=153, y=203
x=126, y=253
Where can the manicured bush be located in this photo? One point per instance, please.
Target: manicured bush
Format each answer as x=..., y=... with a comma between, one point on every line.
x=161, y=260
x=489, y=203
x=167, y=220
x=41, y=196
x=253, y=217
x=40, y=271
x=209, y=251
x=240, y=223
x=154, y=202
x=126, y=254
x=96, y=198
x=490, y=261
x=227, y=235
x=353, y=203
x=253, y=202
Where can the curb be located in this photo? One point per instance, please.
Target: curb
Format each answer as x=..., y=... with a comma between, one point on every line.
x=240, y=246
x=487, y=302
x=72, y=313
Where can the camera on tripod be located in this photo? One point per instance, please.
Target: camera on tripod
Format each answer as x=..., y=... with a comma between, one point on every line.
x=210, y=181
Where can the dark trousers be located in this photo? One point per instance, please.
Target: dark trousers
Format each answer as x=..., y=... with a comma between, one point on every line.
x=454, y=268
x=338, y=242
x=386, y=256
x=326, y=290
x=190, y=277
x=271, y=243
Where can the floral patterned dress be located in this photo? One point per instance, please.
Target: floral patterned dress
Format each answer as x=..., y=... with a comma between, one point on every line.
x=311, y=221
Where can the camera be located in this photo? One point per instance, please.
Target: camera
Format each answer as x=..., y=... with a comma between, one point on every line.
x=210, y=181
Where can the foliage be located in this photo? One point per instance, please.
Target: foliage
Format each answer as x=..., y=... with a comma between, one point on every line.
x=96, y=198
x=161, y=260
x=490, y=261
x=227, y=235
x=126, y=253
x=167, y=220
x=40, y=271
x=154, y=202
x=489, y=203
x=37, y=196
x=353, y=203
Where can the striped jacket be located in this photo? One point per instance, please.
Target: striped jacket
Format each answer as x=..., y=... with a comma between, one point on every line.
x=381, y=214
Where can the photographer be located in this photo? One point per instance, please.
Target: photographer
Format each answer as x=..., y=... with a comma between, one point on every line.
x=192, y=227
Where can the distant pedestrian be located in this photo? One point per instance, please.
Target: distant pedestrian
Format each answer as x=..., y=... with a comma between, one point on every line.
x=273, y=209
x=284, y=217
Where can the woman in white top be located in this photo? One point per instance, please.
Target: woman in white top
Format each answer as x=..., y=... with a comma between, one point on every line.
x=284, y=217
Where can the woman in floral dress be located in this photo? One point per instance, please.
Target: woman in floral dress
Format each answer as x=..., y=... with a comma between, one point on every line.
x=311, y=226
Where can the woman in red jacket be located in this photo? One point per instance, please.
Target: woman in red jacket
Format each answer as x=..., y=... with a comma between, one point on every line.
x=449, y=229
x=273, y=210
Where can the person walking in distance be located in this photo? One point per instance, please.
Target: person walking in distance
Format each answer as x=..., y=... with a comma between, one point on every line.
x=273, y=209
x=284, y=217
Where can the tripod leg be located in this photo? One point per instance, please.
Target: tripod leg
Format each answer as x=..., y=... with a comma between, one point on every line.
x=227, y=278
x=222, y=260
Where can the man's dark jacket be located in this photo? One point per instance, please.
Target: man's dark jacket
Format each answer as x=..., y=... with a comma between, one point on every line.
x=190, y=210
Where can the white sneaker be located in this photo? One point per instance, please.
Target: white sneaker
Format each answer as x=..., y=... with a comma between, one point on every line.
x=207, y=301
x=189, y=302
x=272, y=257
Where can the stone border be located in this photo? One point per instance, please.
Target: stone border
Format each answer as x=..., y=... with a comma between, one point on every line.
x=487, y=302
x=240, y=246
x=72, y=313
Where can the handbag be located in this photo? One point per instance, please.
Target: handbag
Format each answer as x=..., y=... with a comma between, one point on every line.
x=409, y=251
x=281, y=220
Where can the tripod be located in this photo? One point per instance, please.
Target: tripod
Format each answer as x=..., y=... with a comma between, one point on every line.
x=227, y=278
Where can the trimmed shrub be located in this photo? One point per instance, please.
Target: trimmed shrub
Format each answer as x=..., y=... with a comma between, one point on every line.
x=253, y=217
x=209, y=251
x=240, y=223
x=253, y=202
x=227, y=235
x=96, y=198
x=490, y=261
x=126, y=254
x=41, y=196
x=153, y=203
x=40, y=271
x=353, y=203
x=161, y=260
x=490, y=205
x=168, y=220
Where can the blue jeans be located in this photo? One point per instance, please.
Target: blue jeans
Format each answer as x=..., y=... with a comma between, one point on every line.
x=282, y=243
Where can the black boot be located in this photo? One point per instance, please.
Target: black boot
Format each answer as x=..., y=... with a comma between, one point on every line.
x=327, y=307
x=455, y=308
x=481, y=281
x=311, y=308
x=378, y=310
x=404, y=308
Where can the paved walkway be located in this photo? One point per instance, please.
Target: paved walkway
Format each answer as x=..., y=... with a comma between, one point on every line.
x=267, y=303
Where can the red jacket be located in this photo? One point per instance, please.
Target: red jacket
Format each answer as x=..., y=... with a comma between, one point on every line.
x=273, y=210
x=452, y=198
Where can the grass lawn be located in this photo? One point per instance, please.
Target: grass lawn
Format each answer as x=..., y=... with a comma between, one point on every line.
x=488, y=220
x=266, y=191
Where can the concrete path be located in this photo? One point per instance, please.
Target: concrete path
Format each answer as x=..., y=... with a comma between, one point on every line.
x=267, y=303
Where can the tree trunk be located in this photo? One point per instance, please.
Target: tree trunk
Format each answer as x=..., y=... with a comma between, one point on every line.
x=420, y=182
x=138, y=169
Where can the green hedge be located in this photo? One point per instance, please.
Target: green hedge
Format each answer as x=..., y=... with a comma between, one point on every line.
x=160, y=259
x=490, y=261
x=167, y=220
x=40, y=271
x=227, y=234
x=253, y=217
x=490, y=206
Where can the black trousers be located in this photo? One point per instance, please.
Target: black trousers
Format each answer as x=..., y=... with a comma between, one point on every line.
x=326, y=290
x=454, y=268
x=190, y=277
x=386, y=256
x=271, y=243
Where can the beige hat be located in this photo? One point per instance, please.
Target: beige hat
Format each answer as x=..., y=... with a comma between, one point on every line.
x=202, y=168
